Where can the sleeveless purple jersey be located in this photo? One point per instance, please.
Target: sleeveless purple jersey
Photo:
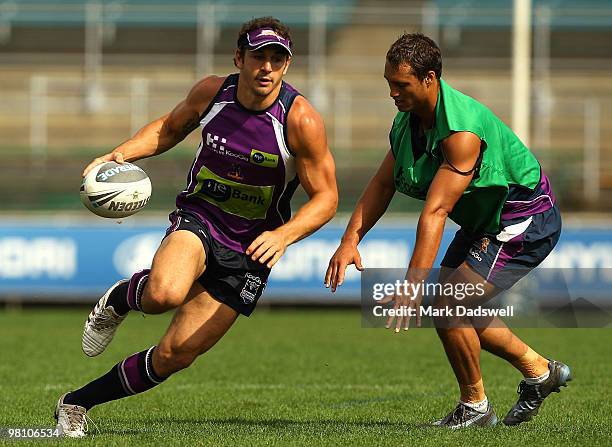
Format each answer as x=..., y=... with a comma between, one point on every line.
x=243, y=175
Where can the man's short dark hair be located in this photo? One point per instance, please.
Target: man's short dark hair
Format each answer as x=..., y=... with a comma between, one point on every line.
x=262, y=22
x=418, y=51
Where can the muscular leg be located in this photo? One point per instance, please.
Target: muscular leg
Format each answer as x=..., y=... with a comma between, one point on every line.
x=462, y=348
x=459, y=338
x=178, y=262
x=495, y=337
x=462, y=342
x=196, y=327
x=502, y=342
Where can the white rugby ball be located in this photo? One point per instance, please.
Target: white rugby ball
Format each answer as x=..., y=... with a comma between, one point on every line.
x=115, y=190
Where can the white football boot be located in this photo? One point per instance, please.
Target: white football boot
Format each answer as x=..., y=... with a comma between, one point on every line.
x=71, y=419
x=101, y=325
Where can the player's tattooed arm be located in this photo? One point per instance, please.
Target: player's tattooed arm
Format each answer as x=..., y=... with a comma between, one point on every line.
x=190, y=126
x=185, y=117
x=167, y=131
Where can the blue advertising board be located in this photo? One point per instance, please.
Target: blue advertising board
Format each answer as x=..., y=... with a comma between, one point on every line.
x=77, y=262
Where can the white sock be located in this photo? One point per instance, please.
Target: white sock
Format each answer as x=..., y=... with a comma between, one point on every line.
x=539, y=379
x=480, y=407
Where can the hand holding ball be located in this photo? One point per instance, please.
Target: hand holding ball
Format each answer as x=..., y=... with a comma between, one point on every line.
x=115, y=190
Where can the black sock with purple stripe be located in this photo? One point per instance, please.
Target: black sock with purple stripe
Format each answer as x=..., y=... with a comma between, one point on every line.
x=127, y=296
x=133, y=375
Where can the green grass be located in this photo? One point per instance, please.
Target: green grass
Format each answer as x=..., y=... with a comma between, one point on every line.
x=307, y=377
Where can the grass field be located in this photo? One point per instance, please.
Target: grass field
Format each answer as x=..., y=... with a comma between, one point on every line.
x=287, y=377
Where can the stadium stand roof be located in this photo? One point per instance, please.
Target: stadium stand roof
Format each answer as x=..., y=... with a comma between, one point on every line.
x=163, y=13
x=498, y=13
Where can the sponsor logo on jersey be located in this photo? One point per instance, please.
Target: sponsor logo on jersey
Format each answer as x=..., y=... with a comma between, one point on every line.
x=219, y=192
x=239, y=199
x=218, y=146
x=235, y=173
x=265, y=159
x=215, y=141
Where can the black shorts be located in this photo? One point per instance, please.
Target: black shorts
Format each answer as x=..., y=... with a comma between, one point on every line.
x=503, y=259
x=231, y=277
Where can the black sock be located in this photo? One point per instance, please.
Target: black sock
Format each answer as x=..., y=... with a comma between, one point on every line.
x=118, y=299
x=131, y=376
x=127, y=295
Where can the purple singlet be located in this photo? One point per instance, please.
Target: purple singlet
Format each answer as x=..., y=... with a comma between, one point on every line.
x=243, y=175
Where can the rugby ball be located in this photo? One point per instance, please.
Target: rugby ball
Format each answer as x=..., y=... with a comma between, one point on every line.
x=115, y=190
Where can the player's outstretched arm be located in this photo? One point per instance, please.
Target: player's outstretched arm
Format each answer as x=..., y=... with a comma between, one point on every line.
x=317, y=173
x=166, y=132
x=371, y=206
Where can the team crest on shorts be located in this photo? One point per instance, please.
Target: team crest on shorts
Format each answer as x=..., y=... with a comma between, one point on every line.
x=251, y=288
x=482, y=248
x=484, y=244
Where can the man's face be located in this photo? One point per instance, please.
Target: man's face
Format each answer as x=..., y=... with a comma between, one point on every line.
x=408, y=92
x=263, y=69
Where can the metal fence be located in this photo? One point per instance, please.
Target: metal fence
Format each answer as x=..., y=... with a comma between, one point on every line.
x=86, y=75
